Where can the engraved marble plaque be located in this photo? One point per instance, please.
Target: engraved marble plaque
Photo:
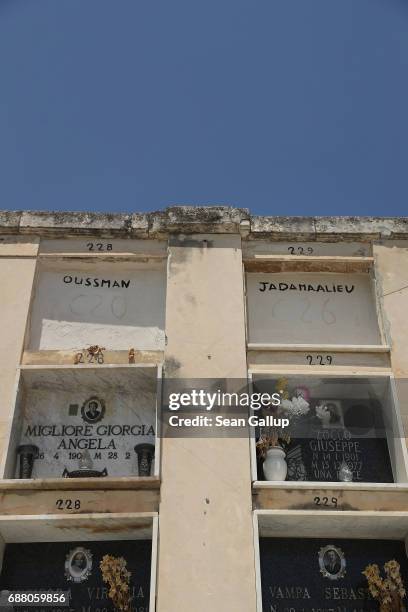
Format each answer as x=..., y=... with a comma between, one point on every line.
x=74, y=567
x=89, y=420
x=306, y=575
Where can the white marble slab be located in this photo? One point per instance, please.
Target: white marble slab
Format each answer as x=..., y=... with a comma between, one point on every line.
x=54, y=416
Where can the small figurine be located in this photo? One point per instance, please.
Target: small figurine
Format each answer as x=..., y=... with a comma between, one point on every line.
x=328, y=413
x=345, y=473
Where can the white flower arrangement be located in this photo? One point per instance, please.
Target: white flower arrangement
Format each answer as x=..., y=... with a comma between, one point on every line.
x=297, y=406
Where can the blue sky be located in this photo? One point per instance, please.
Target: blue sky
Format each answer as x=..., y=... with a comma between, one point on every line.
x=293, y=107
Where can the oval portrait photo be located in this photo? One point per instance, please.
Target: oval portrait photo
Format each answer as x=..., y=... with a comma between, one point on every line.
x=93, y=410
x=78, y=564
x=332, y=562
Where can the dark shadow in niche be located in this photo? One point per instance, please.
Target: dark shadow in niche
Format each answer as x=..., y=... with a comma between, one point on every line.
x=355, y=440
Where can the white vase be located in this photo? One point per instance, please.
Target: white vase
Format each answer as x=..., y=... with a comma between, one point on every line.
x=275, y=466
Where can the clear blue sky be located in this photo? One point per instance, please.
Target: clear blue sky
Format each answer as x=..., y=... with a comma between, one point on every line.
x=281, y=106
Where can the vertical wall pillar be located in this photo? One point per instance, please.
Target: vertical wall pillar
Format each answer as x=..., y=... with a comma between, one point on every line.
x=16, y=281
x=206, y=556
x=392, y=286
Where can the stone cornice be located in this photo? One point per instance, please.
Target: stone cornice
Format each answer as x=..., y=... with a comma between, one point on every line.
x=201, y=219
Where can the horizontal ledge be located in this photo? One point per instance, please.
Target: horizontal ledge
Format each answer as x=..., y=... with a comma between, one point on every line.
x=313, y=258
x=318, y=514
x=50, y=484
x=17, y=256
x=301, y=485
x=359, y=524
x=77, y=527
x=332, y=348
x=104, y=255
x=49, y=357
x=294, y=263
x=90, y=516
x=315, y=518
x=86, y=366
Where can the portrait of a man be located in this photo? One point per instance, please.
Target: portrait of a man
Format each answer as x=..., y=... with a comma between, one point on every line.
x=332, y=562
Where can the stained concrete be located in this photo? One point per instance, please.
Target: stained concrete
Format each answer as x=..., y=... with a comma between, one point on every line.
x=200, y=219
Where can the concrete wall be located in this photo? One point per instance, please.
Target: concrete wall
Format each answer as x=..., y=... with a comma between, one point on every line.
x=206, y=558
x=392, y=287
x=16, y=280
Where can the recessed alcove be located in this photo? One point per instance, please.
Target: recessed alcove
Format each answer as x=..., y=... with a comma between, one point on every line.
x=71, y=548
x=117, y=305
x=315, y=559
x=349, y=430
x=311, y=308
x=91, y=421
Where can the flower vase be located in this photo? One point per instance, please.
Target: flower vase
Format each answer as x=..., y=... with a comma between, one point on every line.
x=275, y=466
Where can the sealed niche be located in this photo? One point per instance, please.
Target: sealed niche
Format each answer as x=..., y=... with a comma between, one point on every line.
x=114, y=305
x=323, y=574
x=74, y=568
x=311, y=308
x=92, y=422
x=339, y=429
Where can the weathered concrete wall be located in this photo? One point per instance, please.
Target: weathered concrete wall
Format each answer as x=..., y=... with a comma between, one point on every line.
x=392, y=286
x=206, y=559
x=206, y=556
x=194, y=219
x=16, y=280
